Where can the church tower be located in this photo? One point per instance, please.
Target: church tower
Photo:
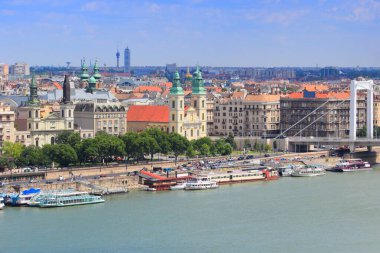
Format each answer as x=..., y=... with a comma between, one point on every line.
x=33, y=108
x=84, y=74
x=177, y=106
x=198, y=102
x=67, y=107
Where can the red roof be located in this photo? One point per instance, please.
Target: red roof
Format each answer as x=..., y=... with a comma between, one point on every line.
x=57, y=86
x=148, y=113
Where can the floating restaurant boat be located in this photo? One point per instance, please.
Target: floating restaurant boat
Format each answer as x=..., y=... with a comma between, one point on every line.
x=246, y=175
x=351, y=165
x=201, y=183
x=308, y=171
x=73, y=198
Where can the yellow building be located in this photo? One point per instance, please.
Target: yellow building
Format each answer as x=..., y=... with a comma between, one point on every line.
x=189, y=122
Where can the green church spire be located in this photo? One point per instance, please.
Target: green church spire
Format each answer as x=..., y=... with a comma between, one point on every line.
x=97, y=75
x=176, y=88
x=84, y=75
x=198, y=85
x=33, y=96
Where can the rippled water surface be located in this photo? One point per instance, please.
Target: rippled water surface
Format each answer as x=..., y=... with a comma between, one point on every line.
x=332, y=213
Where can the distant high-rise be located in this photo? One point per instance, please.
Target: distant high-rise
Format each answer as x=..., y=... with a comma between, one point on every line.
x=127, y=60
x=117, y=58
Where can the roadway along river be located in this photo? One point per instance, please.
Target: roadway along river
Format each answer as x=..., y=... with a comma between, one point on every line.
x=332, y=213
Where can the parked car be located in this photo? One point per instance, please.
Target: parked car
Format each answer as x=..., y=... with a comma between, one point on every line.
x=267, y=155
x=249, y=157
x=241, y=158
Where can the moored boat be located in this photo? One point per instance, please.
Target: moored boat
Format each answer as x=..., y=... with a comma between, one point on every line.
x=285, y=171
x=351, y=165
x=179, y=186
x=69, y=199
x=201, y=183
x=308, y=171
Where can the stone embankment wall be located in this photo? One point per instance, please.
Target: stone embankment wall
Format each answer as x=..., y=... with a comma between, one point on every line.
x=127, y=182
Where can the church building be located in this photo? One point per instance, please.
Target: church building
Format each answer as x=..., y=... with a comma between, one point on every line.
x=189, y=121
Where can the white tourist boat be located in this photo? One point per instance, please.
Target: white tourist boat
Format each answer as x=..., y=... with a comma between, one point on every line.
x=24, y=198
x=73, y=198
x=201, y=183
x=285, y=171
x=180, y=186
x=308, y=171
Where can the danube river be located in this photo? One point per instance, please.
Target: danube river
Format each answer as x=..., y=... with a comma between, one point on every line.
x=332, y=213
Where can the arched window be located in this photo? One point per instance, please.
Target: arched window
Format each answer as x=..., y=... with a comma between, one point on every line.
x=52, y=140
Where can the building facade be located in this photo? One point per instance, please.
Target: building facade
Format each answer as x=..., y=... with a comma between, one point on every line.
x=7, y=124
x=332, y=117
x=45, y=128
x=247, y=115
x=100, y=115
x=20, y=69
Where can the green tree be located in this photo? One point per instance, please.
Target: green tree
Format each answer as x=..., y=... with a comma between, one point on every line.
x=12, y=150
x=161, y=138
x=204, y=149
x=227, y=149
x=63, y=154
x=231, y=140
x=152, y=146
x=179, y=144
x=88, y=151
x=190, y=152
x=267, y=148
x=256, y=147
x=63, y=137
x=4, y=163
x=131, y=143
x=34, y=156
x=109, y=146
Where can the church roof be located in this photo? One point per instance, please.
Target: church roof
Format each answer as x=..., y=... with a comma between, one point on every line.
x=148, y=113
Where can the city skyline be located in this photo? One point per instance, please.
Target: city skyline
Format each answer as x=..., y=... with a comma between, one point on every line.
x=266, y=33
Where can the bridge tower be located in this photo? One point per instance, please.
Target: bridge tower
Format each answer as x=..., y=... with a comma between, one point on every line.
x=354, y=87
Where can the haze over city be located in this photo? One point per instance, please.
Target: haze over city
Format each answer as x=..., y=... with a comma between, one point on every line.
x=265, y=33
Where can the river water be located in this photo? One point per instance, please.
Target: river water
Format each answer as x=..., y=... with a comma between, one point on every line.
x=332, y=213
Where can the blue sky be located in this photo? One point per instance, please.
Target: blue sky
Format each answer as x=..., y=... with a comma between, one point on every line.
x=265, y=33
